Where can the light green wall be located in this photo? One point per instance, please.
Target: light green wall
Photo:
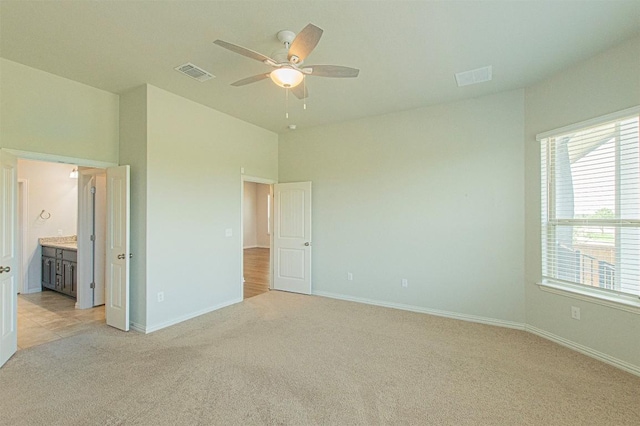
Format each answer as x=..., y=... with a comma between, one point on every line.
x=434, y=195
x=44, y=113
x=603, y=84
x=194, y=156
x=133, y=151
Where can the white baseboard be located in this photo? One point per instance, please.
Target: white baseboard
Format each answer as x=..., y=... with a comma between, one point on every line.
x=608, y=359
x=137, y=327
x=436, y=312
x=151, y=328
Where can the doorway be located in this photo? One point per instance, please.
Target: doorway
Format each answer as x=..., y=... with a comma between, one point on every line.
x=49, y=224
x=257, y=227
x=117, y=245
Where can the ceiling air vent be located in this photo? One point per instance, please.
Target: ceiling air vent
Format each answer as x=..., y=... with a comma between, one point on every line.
x=479, y=75
x=194, y=72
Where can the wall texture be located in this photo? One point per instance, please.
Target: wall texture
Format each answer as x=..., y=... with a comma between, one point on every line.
x=249, y=216
x=255, y=215
x=44, y=113
x=603, y=84
x=50, y=189
x=433, y=195
x=263, y=239
x=194, y=157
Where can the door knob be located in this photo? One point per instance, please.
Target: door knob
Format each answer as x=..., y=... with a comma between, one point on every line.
x=5, y=269
x=121, y=256
x=307, y=244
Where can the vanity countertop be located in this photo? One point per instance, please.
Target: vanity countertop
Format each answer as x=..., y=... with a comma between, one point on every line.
x=68, y=242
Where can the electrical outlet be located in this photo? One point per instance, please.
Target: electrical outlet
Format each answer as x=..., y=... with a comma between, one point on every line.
x=405, y=283
x=59, y=231
x=349, y=276
x=161, y=296
x=575, y=313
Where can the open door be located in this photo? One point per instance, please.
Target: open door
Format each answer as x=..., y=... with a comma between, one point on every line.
x=8, y=257
x=292, y=237
x=91, y=237
x=118, y=249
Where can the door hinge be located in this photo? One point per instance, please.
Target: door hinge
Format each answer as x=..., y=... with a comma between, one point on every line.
x=93, y=189
x=92, y=238
x=92, y=285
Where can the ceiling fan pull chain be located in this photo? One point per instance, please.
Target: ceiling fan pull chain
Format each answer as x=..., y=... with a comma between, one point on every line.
x=286, y=103
x=304, y=92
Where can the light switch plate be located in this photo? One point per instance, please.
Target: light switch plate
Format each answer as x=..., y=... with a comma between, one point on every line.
x=228, y=232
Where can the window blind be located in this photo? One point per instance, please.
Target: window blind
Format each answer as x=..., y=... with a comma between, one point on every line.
x=591, y=204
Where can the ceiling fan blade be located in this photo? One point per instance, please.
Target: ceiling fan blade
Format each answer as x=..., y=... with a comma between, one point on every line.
x=250, y=80
x=300, y=91
x=243, y=51
x=335, y=71
x=304, y=43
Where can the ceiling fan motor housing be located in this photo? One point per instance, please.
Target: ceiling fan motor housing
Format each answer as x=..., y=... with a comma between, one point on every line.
x=280, y=56
x=286, y=37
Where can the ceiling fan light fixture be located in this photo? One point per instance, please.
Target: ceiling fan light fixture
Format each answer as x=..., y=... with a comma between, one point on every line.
x=286, y=77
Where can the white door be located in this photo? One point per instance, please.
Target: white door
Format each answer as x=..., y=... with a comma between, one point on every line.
x=118, y=250
x=91, y=240
x=292, y=237
x=8, y=257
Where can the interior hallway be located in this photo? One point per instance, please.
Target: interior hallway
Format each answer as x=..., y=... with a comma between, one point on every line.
x=256, y=271
x=47, y=316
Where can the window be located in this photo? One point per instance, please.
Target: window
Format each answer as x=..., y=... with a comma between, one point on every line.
x=591, y=204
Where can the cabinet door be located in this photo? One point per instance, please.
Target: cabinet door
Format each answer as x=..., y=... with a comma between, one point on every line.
x=73, y=289
x=67, y=277
x=52, y=273
x=58, y=275
x=49, y=272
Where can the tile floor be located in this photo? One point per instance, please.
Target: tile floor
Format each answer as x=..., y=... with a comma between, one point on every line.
x=47, y=316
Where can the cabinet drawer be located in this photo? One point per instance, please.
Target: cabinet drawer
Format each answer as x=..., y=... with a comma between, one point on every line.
x=49, y=251
x=71, y=255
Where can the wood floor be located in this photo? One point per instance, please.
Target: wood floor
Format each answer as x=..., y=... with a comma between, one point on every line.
x=47, y=316
x=256, y=271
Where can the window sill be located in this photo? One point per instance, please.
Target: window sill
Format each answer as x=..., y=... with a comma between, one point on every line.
x=605, y=298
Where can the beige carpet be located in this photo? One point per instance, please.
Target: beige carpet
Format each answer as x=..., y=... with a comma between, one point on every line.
x=282, y=358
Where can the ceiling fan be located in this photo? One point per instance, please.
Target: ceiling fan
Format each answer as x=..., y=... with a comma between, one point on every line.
x=289, y=72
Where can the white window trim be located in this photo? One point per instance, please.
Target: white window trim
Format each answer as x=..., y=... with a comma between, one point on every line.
x=589, y=123
x=623, y=302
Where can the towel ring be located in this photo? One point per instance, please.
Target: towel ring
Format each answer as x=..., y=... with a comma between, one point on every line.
x=44, y=215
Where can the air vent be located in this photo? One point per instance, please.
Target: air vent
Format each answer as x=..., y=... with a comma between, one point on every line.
x=479, y=75
x=194, y=72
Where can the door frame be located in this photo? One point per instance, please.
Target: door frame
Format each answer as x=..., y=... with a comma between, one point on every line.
x=264, y=181
x=23, y=235
x=51, y=158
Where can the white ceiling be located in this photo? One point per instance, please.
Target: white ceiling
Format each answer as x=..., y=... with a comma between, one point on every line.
x=407, y=52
